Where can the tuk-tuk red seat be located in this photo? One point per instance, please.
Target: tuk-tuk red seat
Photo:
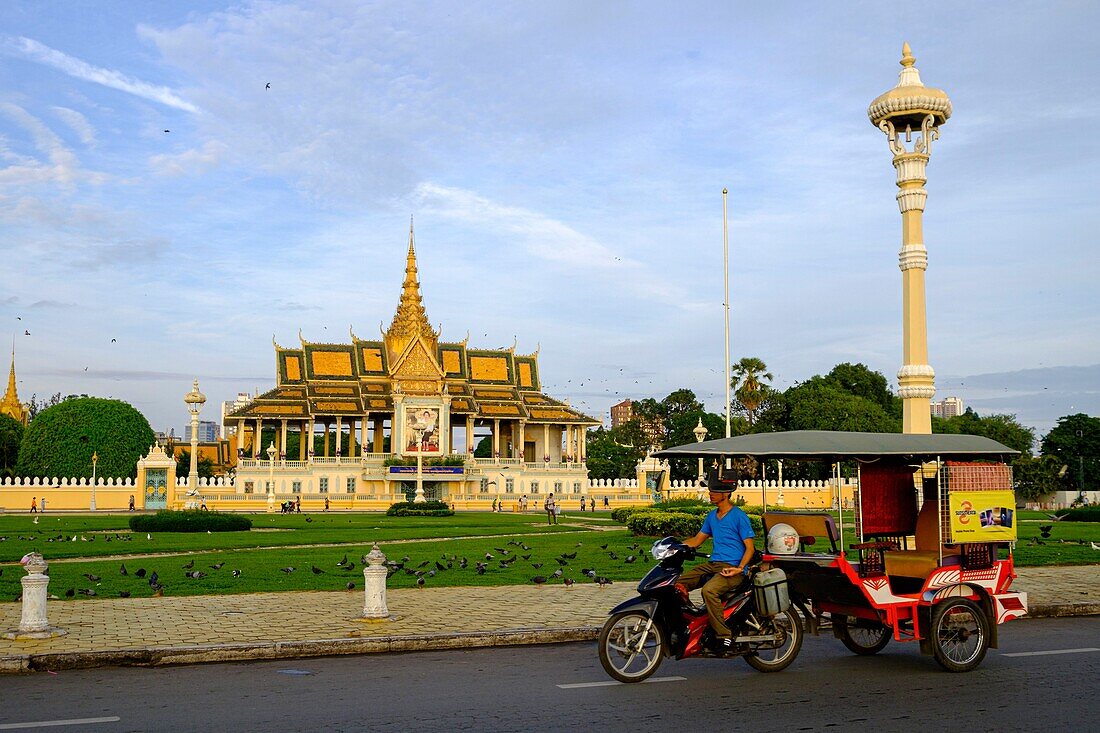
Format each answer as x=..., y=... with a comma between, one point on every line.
x=919, y=563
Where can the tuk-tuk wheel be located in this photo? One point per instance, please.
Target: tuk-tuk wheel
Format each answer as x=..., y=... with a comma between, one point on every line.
x=863, y=638
x=959, y=635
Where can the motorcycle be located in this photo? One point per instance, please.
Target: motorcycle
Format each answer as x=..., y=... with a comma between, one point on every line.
x=662, y=621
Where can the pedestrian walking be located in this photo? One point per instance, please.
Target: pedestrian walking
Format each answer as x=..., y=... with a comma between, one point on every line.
x=326, y=503
x=34, y=505
x=606, y=503
x=523, y=503
x=494, y=505
x=131, y=502
x=551, y=508
x=298, y=504
x=43, y=509
x=592, y=503
x=582, y=503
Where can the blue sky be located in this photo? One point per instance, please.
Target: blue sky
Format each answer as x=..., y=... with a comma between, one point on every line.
x=564, y=162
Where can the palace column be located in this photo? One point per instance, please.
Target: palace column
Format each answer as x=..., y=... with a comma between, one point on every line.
x=469, y=435
x=325, y=424
x=302, y=438
x=496, y=437
x=379, y=425
x=911, y=105
x=282, y=440
x=522, y=436
x=546, y=439
x=257, y=436
x=240, y=437
x=339, y=435
x=363, y=434
x=582, y=442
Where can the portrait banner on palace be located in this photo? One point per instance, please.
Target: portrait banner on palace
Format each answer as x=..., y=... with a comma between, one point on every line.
x=422, y=430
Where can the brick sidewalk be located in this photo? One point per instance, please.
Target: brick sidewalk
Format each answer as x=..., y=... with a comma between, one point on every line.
x=286, y=625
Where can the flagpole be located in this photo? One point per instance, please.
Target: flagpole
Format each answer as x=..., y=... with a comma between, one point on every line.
x=726, y=299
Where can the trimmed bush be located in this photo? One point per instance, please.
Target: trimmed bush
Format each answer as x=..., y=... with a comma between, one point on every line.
x=423, y=509
x=621, y=514
x=677, y=524
x=1083, y=514
x=678, y=504
x=189, y=520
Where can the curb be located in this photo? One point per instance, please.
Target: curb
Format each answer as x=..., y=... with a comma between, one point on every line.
x=204, y=653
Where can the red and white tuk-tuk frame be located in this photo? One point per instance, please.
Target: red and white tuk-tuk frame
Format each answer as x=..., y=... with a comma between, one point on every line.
x=930, y=516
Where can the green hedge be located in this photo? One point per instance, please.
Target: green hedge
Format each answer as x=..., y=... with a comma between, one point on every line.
x=423, y=509
x=1083, y=514
x=190, y=520
x=621, y=514
x=676, y=524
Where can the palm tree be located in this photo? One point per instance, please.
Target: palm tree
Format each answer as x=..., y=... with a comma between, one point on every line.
x=749, y=375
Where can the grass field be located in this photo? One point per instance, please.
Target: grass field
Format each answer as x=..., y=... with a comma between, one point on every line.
x=289, y=541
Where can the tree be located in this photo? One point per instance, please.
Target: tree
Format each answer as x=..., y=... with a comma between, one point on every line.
x=60, y=441
x=821, y=404
x=1004, y=429
x=862, y=381
x=749, y=375
x=205, y=467
x=36, y=405
x=610, y=458
x=1036, y=477
x=11, y=435
x=484, y=448
x=1075, y=441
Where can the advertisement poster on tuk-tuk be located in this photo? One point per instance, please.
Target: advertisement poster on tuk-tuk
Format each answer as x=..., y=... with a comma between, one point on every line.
x=983, y=516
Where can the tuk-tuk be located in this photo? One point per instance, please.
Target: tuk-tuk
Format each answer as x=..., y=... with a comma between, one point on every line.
x=930, y=517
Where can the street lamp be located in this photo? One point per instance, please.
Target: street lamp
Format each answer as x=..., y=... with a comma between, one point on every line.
x=270, y=476
x=908, y=108
x=419, y=430
x=95, y=460
x=700, y=435
x=194, y=401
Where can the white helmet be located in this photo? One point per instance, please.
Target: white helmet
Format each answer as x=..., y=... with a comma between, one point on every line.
x=782, y=540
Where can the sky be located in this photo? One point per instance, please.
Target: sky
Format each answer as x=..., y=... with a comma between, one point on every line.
x=165, y=214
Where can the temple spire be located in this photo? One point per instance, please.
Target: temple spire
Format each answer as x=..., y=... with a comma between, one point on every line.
x=11, y=405
x=410, y=320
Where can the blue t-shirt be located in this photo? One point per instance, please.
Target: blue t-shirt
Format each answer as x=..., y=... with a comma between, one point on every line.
x=728, y=534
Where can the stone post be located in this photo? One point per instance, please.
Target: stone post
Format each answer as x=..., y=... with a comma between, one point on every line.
x=374, y=586
x=33, y=623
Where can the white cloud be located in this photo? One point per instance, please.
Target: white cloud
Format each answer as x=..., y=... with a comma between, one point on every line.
x=43, y=54
x=189, y=162
x=78, y=122
x=62, y=168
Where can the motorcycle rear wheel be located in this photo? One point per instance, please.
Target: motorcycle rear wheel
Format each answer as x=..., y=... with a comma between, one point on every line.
x=864, y=638
x=627, y=651
x=773, y=657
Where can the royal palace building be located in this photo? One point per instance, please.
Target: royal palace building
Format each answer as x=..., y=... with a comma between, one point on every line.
x=370, y=420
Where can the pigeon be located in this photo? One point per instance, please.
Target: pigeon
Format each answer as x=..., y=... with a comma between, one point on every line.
x=189, y=565
x=86, y=592
x=536, y=565
x=561, y=562
x=93, y=578
x=153, y=579
x=569, y=556
x=148, y=536
x=602, y=581
x=309, y=519
x=349, y=566
x=217, y=566
x=423, y=564
x=350, y=586
x=539, y=579
x=140, y=572
x=630, y=559
x=591, y=574
x=236, y=573
x=124, y=594
x=431, y=573
x=268, y=86
x=343, y=562
x=603, y=547
x=568, y=583
x=122, y=570
x=488, y=556
x=1094, y=545
x=195, y=574
x=526, y=557
x=288, y=570
x=404, y=559
x=70, y=592
x=557, y=573
x=316, y=570
x=420, y=582
x=1044, y=530
x=613, y=556
x=440, y=566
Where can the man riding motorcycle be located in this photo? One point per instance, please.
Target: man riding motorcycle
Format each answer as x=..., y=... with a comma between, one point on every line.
x=733, y=550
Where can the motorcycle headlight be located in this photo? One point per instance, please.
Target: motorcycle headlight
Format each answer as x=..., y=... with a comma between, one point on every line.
x=664, y=548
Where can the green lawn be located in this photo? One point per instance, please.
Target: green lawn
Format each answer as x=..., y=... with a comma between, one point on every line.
x=260, y=554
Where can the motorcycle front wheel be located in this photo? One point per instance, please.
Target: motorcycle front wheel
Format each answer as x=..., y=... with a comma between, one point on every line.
x=775, y=655
x=631, y=648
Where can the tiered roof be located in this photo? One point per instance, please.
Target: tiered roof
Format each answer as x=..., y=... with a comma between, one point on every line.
x=330, y=379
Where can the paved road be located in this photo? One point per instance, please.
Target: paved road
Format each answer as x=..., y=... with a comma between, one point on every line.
x=521, y=688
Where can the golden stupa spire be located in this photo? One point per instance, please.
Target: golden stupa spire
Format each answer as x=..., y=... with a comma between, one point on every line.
x=11, y=405
x=410, y=320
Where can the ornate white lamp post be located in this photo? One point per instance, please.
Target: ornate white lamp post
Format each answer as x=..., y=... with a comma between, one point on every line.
x=418, y=431
x=700, y=435
x=907, y=109
x=194, y=401
x=270, y=476
x=95, y=460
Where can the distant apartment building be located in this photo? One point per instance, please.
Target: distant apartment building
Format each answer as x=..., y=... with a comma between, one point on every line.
x=208, y=432
x=622, y=413
x=243, y=398
x=948, y=407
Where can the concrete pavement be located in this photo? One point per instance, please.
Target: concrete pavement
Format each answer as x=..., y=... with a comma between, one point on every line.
x=154, y=631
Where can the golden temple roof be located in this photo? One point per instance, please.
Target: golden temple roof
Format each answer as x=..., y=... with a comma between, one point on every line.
x=10, y=405
x=410, y=320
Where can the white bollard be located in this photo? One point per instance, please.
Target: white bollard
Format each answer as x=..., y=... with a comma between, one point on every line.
x=33, y=623
x=374, y=586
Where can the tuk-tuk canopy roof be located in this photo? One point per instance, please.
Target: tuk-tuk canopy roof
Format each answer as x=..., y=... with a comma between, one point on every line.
x=813, y=445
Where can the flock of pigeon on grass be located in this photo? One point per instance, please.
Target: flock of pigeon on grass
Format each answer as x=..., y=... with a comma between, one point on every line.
x=505, y=558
